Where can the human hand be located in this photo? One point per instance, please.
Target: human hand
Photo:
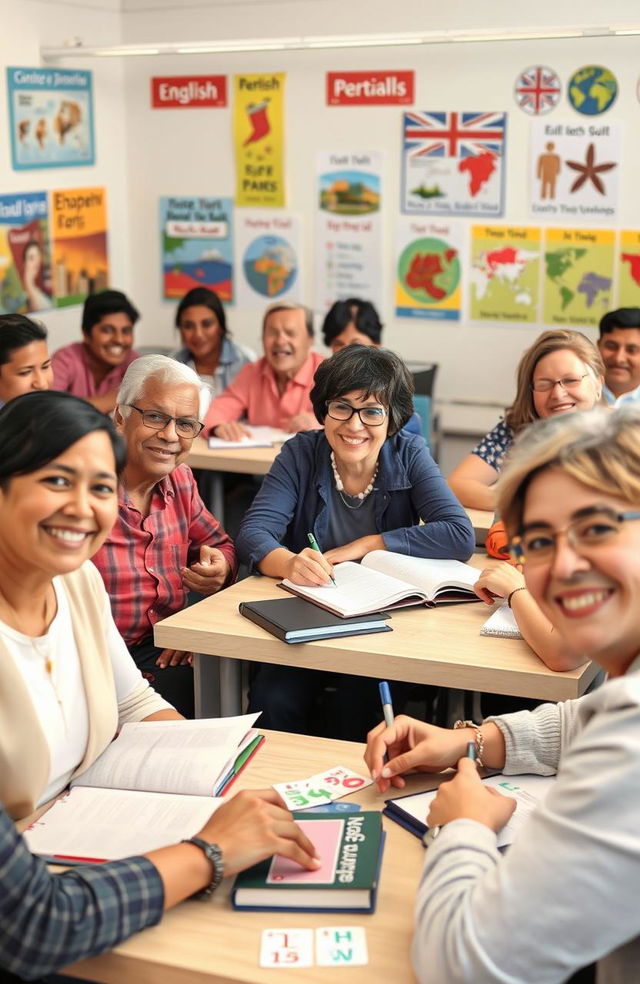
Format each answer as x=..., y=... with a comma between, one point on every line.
x=412, y=746
x=174, y=657
x=498, y=582
x=232, y=430
x=253, y=825
x=465, y=796
x=309, y=567
x=355, y=550
x=209, y=574
x=301, y=422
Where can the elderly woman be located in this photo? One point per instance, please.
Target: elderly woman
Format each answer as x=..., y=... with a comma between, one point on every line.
x=359, y=485
x=566, y=893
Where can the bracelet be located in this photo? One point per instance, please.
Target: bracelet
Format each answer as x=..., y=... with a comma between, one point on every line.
x=214, y=855
x=479, y=738
x=515, y=591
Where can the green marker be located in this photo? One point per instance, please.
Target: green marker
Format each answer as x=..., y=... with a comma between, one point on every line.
x=314, y=546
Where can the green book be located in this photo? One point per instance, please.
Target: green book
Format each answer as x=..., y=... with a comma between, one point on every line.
x=350, y=849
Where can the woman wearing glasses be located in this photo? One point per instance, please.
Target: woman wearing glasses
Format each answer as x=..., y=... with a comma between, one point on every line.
x=359, y=485
x=566, y=893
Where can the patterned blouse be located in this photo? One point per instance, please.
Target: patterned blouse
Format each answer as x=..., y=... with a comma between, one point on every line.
x=494, y=445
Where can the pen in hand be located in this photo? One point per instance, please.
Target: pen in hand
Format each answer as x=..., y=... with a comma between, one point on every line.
x=387, y=709
x=471, y=751
x=314, y=546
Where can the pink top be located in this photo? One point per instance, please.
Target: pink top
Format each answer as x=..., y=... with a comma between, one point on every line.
x=253, y=395
x=72, y=373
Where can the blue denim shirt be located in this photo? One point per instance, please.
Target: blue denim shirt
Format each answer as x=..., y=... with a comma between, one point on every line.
x=295, y=499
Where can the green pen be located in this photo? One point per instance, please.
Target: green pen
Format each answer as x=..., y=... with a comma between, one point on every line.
x=314, y=546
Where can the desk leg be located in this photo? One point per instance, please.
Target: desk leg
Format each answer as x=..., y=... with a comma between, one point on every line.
x=230, y=686
x=217, y=496
x=206, y=682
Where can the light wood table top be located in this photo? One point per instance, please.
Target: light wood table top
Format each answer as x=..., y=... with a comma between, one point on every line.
x=482, y=521
x=210, y=943
x=243, y=461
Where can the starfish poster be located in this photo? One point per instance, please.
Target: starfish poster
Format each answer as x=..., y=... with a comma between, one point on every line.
x=258, y=137
x=428, y=269
x=504, y=274
x=578, y=276
x=575, y=171
x=453, y=163
x=629, y=268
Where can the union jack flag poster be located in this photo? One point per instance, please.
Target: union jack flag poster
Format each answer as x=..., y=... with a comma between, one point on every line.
x=537, y=90
x=453, y=163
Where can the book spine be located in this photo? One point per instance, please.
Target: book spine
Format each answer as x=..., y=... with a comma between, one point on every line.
x=264, y=623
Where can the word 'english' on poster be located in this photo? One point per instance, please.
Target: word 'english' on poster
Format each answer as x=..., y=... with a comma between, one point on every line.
x=349, y=233
x=453, y=163
x=79, y=233
x=267, y=258
x=50, y=117
x=258, y=136
x=574, y=171
x=25, y=258
x=628, y=256
x=428, y=270
x=197, y=245
x=578, y=276
x=504, y=274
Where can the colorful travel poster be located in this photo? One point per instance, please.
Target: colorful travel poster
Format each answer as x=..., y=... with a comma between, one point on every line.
x=629, y=268
x=79, y=233
x=258, y=136
x=578, y=274
x=50, y=117
x=428, y=270
x=453, y=163
x=267, y=258
x=349, y=233
x=504, y=274
x=574, y=171
x=25, y=253
x=197, y=245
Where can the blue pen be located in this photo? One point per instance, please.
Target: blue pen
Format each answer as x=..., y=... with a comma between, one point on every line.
x=314, y=546
x=471, y=751
x=387, y=706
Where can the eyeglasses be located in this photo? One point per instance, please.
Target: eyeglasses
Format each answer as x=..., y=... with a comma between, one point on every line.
x=154, y=420
x=371, y=416
x=567, y=383
x=538, y=544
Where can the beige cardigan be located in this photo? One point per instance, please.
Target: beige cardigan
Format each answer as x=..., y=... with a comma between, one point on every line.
x=24, y=753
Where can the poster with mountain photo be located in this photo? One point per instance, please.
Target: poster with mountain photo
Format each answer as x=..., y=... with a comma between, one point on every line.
x=196, y=237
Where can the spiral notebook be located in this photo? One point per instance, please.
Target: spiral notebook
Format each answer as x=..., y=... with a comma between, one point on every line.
x=502, y=623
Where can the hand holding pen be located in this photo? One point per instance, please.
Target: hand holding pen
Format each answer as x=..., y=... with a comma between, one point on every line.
x=466, y=797
x=309, y=567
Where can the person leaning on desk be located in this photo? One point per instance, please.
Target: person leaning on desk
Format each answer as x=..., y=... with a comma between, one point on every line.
x=361, y=484
x=566, y=893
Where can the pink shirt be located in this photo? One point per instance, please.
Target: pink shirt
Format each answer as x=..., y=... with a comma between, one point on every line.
x=253, y=395
x=72, y=374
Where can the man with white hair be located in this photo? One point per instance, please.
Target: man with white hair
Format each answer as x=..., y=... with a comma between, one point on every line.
x=165, y=542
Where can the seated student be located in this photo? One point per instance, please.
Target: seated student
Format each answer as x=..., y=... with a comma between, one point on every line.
x=561, y=372
x=273, y=391
x=351, y=322
x=165, y=543
x=619, y=345
x=94, y=367
x=207, y=345
x=25, y=363
x=358, y=485
x=67, y=682
x=566, y=892
x=52, y=920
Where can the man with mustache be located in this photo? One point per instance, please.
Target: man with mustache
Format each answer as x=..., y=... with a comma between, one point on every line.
x=619, y=345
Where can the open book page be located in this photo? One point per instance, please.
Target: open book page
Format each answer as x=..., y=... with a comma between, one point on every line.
x=107, y=824
x=502, y=623
x=358, y=591
x=430, y=576
x=261, y=437
x=170, y=756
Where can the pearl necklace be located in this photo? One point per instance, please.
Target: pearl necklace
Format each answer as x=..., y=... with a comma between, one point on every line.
x=358, y=495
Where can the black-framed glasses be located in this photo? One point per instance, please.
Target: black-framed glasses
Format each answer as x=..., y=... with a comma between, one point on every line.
x=157, y=421
x=597, y=528
x=370, y=416
x=567, y=383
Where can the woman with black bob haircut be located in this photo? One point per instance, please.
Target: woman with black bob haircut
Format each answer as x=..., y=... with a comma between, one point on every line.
x=361, y=484
x=351, y=322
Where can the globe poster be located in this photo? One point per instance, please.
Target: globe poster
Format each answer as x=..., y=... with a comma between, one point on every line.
x=578, y=276
x=267, y=258
x=592, y=90
x=504, y=274
x=629, y=268
x=428, y=270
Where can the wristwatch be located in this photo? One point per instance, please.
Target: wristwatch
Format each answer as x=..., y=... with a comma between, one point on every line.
x=214, y=855
x=430, y=835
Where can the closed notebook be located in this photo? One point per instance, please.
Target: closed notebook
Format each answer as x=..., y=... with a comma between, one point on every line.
x=350, y=849
x=297, y=620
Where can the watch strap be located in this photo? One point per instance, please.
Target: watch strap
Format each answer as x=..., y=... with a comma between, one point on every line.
x=213, y=854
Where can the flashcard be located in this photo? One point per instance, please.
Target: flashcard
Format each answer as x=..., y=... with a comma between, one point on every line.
x=299, y=795
x=324, y=787
x=341, y=946
x=286, y=948
x=340, y=780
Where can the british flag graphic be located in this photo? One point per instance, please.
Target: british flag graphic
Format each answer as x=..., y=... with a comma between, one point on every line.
x=537, y=90
x=454, y=134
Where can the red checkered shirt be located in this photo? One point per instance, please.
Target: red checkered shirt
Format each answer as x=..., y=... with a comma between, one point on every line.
x=141, y=559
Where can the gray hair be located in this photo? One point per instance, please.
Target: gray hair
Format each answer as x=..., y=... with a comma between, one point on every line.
x=290, y=306
x=164, y=369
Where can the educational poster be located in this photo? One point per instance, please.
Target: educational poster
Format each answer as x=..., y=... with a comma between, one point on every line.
x=537, y=90
x=592, y=90
x=79, y=233
x=629, y=268
x=504, y=274
x=197, y=246
x=267, y=258
x=578, y=274
x=50, y=117
x=453, y=163
x=349, y=232
x=258, y=136
x=25, y=256
x=428, y=269
x=575, y=171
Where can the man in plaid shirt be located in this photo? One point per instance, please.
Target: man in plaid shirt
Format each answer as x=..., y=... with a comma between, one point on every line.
x=165, y=542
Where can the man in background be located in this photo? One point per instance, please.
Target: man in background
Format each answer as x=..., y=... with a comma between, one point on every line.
x=619, y=345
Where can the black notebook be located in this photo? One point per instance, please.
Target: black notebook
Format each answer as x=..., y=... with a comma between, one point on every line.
x=297, y=620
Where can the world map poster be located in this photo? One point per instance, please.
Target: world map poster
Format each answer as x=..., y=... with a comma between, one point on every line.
x=267, y=250
x=578, y=275
x=505, y=273
x=428, y=270
x=629, y=268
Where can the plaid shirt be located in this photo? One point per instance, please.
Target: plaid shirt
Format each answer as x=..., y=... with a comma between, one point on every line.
x=51, y=920
x=141, y=559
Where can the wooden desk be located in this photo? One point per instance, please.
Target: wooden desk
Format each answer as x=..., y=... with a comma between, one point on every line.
x=482, y=521
x=210, y=943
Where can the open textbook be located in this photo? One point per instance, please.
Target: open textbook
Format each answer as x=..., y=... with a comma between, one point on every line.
x=260, y=437
x=385, y=579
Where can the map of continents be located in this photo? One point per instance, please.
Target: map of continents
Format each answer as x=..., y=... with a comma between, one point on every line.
x=577, y=289
x=504, y=278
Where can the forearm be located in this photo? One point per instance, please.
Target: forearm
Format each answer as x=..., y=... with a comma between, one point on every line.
x=168, y=715
x=538, y=631
x=472, y=493
x=448, y=540
x=275, y=563
x=184, y=870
